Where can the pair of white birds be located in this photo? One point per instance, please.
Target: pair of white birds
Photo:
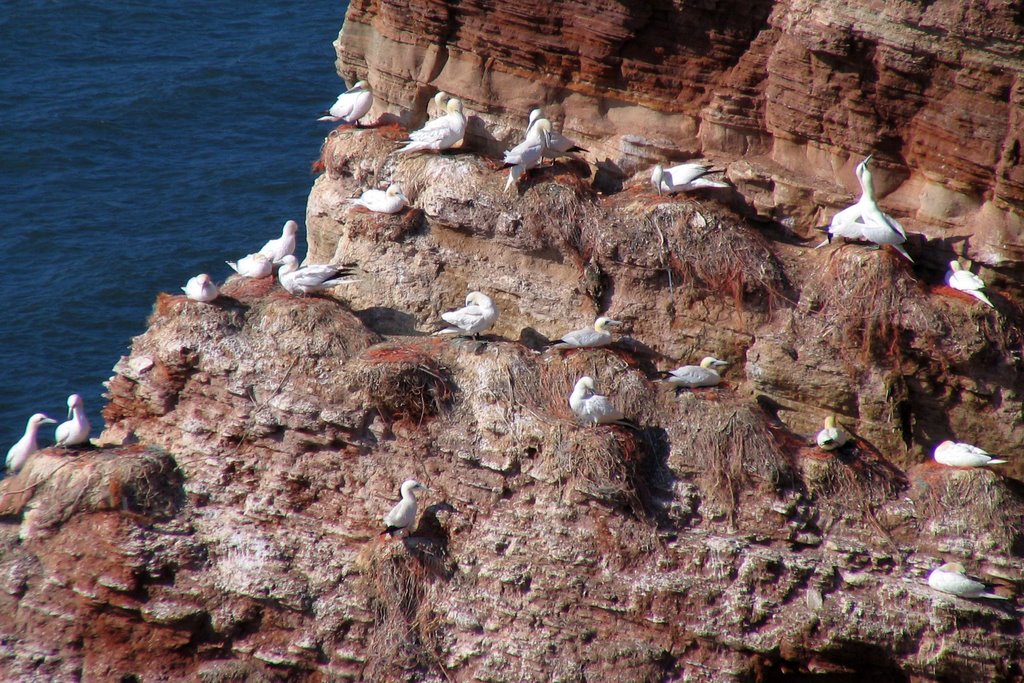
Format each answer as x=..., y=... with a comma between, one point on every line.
x=541, y=142
x=295, y=280
x=74, y=432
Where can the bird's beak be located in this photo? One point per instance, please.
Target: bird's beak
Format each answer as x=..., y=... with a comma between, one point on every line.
x=70, y=410
x=613, y=322
x=545, y=138
x=868, y=158
x=720, y=363
x=47, y=421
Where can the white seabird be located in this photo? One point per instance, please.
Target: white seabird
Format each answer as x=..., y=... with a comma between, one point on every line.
x=478, y=315
x=76, y=430
x=201, y=288
x=440, y=99
x=590, y=407
x=383, y=201
x=952, y=578
x=27, y=444
x=956, y=454
x=690, y=376
x=683, y=177
x=528, y=153
x=558, y=144
x=865, y=221
x=284, y=245
x=253, y=265
x=588, y=337
x=966, y=281
x=441, y=133
x=403, y=515
x=351, y=105
x=832, y=436
x=308, y=279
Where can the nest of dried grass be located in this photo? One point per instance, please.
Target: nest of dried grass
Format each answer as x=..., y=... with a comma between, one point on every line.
x=398, y=579
x=855, y=479
x=407, y=381
x=144, y=481
x=603, y=463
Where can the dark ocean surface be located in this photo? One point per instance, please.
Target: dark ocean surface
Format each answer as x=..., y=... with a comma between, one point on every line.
x=141, y=143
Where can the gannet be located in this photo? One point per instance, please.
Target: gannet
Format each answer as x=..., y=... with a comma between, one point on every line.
x=309, y=279
x=865, y=221
x=439, y=100
x=952, y=578
x=201, y=288
x=283, y=246
x=588, y=337
x=832, y=436
x=956, y=454
x=478, y=315
x=27, y=444
x=558, y=144
x=966, y=281
x=683, y=177
x=76, y=430
x=703, y=375
x=351, y=105
x=440, y=133
x=527, y=154
x=383, y=201
x=592, y=408
x=403, y=515
x=253, y=265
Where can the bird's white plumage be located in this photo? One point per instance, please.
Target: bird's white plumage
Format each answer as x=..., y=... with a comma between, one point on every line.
x=590, y=407
x=957, y=454
x=558, y=144
x=703, y=375
x=478, y=315
x=588, y=337
x=351, y=105
x=277, y=249
x=254, y=265
x=391, y=200
x=833, y=436
x=441, y=133
x=966, y=281
x=28, y=443
x=201, y=288
x=309, y=279
x=683, y=177
x=528, y=153
x=76, y=430
x=951, y=578
x=865, y=221
x=439, y=100
x=403, y=515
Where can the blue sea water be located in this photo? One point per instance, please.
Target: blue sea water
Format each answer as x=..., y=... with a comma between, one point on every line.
x=141, y=143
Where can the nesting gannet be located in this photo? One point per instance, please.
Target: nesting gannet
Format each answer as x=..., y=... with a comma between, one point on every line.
x=351, y=105
x=253, y=265
x=201, y=288
x=966, y=281
x=309, y=279
x=76, y=430
x=440, y=133
x=703, y=375
x=383, y=201
x=528, y=153
x=439, y=100
x=956, y=454
x=592, y=408
x=284, y=245
x=832, y=436
x=478, y=315
x=952, y=578
x=27, y=444
x=588, y=337
x=865, y=221
x=558, y=144
x=683, y=177
x=403, y=515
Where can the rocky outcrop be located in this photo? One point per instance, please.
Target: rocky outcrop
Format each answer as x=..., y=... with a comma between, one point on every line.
x=790, y=94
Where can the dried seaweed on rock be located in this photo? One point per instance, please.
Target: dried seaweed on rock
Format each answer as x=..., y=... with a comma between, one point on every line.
x=406, y=381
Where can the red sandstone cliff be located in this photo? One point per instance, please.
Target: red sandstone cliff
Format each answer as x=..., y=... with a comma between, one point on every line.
x=232, y=533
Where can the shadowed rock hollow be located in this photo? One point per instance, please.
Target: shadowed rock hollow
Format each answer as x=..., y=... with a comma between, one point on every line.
x=228, y=529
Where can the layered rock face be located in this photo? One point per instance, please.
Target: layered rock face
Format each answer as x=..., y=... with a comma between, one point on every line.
x=790, y=94
x=229, y=529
